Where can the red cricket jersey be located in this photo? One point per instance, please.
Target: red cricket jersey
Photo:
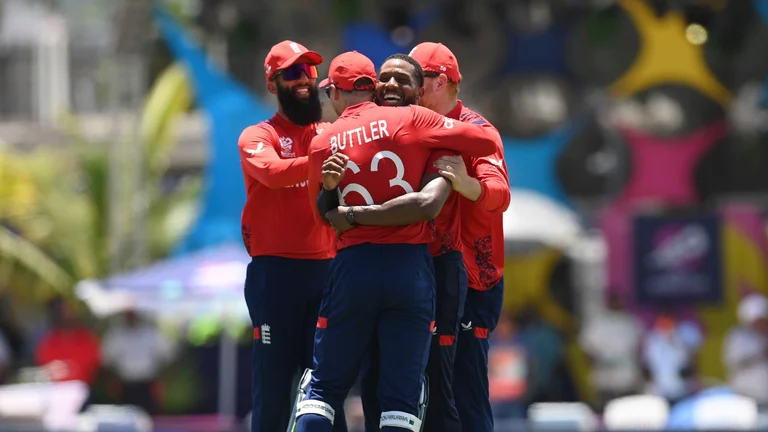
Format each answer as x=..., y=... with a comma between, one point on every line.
x=447, y=223
x=277, y=219
x=78, y=347
x=482, y=227
x=388, y=149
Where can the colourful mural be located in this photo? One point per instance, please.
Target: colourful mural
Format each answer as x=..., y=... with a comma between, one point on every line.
x=531, y=163
x=666, y=56
x=744, y=267
x=662, y=168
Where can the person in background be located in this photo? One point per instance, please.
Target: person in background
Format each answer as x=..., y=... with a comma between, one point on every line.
x=69, y=351
x=668, y=354
x=510, y=371
x=745, y=350
x=545, y=346
x=136, y=351
x=612, y=342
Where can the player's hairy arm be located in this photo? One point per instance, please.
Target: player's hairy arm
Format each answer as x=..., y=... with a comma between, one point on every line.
x=407, y=209
x=410, y=208
x=260, y=160
x=453, y=168
x=490, y=189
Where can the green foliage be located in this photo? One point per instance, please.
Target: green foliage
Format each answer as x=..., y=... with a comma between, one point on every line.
x=55, y=202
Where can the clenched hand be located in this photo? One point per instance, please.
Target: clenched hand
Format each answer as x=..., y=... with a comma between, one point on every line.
x=333, y=170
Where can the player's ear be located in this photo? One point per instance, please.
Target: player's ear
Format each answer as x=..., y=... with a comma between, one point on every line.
x=272, y=87
x=442, y=81
x=334, y=92
x=420, y=93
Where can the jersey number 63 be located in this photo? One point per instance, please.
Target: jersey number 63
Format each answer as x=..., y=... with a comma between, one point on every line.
x=360, y=189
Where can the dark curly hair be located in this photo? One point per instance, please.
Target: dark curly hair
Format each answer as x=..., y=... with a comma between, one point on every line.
x=418, y=72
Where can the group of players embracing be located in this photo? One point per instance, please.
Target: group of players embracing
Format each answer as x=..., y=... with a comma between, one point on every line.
x=377, y=244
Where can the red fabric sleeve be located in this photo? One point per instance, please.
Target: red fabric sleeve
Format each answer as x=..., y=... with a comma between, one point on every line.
x=491, y=172
x=429, y=129
x=495, y=194
x=315, y=179
x=260, y=160
x=435, y=155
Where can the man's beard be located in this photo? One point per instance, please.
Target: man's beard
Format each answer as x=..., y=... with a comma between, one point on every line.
x=300, y=111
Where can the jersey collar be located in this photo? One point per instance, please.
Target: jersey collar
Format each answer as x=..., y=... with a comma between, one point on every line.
x=455, y=113
x=356, y=109
x=284, y=124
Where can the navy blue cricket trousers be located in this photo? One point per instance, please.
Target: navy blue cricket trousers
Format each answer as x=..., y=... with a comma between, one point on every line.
x=384, y=290
x=482, y=311
x=283, y=297
x=450, y=295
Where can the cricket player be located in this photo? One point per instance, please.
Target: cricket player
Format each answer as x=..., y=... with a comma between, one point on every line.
x=480, y=218
x=382, y=279
x=483, y=185
x=396, y=88
x=291, y=251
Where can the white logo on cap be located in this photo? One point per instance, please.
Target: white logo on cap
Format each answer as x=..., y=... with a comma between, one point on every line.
x=442, y=68
x=295, y=47
x=268, y=69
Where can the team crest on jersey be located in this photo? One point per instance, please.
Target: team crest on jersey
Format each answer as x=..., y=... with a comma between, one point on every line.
x=286, y=147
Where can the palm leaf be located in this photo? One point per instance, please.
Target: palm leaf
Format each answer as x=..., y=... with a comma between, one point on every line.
x=171, y=96
x=57, y=200
x=16, y=250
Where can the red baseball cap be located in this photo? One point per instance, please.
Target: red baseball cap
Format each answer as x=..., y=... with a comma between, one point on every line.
x=347, y=68
x=436, y=57
x=287, y=53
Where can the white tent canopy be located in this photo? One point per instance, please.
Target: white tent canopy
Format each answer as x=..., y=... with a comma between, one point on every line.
x=533, y=217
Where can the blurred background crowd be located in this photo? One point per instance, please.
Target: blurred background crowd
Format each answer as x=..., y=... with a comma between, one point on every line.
x=635, y=133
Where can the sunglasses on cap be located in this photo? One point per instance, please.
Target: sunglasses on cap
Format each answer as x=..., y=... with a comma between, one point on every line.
x=294, y=72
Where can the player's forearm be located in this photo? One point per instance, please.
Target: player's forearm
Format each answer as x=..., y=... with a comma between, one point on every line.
x=407, y=209
x=279, y=173
x=327, y=200
x=471, y=189
x=410, y=208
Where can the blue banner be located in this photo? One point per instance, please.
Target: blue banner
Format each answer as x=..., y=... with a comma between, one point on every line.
x=678, y=260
